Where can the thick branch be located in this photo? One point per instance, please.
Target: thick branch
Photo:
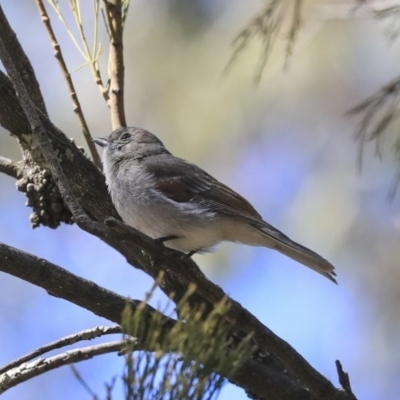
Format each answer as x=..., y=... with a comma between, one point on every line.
x=252, y=376
x=12, y=116
x=280, y=387
x=58, y=282
x=27, y=72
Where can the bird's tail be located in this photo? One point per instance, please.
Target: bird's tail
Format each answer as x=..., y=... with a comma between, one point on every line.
x=300, y=253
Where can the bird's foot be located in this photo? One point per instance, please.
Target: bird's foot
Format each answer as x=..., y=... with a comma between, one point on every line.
x=190, y=254
x=166, y=238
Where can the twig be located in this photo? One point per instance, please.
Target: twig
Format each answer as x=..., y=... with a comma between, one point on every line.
x=56, y=7
x=91, y=56
x=84, y=384
x=87, y=334
x=344, y=380
x=67, y=76
x=40, y=366
x=116, y=62
x=9, y=167
x=110, y=387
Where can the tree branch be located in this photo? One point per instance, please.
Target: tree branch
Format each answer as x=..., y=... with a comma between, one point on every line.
x=40, y=366
x=253, y=376
x=279, y=389
x=87, y=334
x=60, y=283
x=72, y=92
x=9, y=167
x=344, y=380
x=12, y=116
x=33, y=177
x=28, y=75
x=116, y=63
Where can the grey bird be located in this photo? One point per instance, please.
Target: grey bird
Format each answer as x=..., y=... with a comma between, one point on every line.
x=175, y=201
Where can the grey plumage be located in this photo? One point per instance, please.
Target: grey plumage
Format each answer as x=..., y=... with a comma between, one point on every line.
x=162, y=195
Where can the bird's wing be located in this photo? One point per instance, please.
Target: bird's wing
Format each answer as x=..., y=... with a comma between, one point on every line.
x=182, y=182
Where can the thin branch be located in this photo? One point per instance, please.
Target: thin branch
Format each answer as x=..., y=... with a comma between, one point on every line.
x=72, y=92
x=9, y=167
x=40, y=366
x=87, y=334
x=84, y=384
x=56, y=7
x=91, y=56
x=116, y=62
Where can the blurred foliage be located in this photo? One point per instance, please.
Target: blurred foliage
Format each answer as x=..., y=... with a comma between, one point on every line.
x=391, y=14
x=180, y=363
x=268, y=26
x=377, y=113
x=381, y=110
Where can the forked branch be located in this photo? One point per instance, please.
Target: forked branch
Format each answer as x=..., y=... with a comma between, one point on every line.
x=30, y=370
x=72, y=92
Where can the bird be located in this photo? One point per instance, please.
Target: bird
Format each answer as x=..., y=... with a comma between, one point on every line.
x=176, y=202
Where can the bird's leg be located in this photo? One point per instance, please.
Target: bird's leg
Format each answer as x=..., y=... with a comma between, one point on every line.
x=174, y=237
x=190, y=254
x=166, y=238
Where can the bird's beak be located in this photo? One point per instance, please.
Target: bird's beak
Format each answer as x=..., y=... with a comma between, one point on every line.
x=102, y=142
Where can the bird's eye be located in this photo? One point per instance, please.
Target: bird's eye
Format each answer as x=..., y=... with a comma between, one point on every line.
x=126, y=136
